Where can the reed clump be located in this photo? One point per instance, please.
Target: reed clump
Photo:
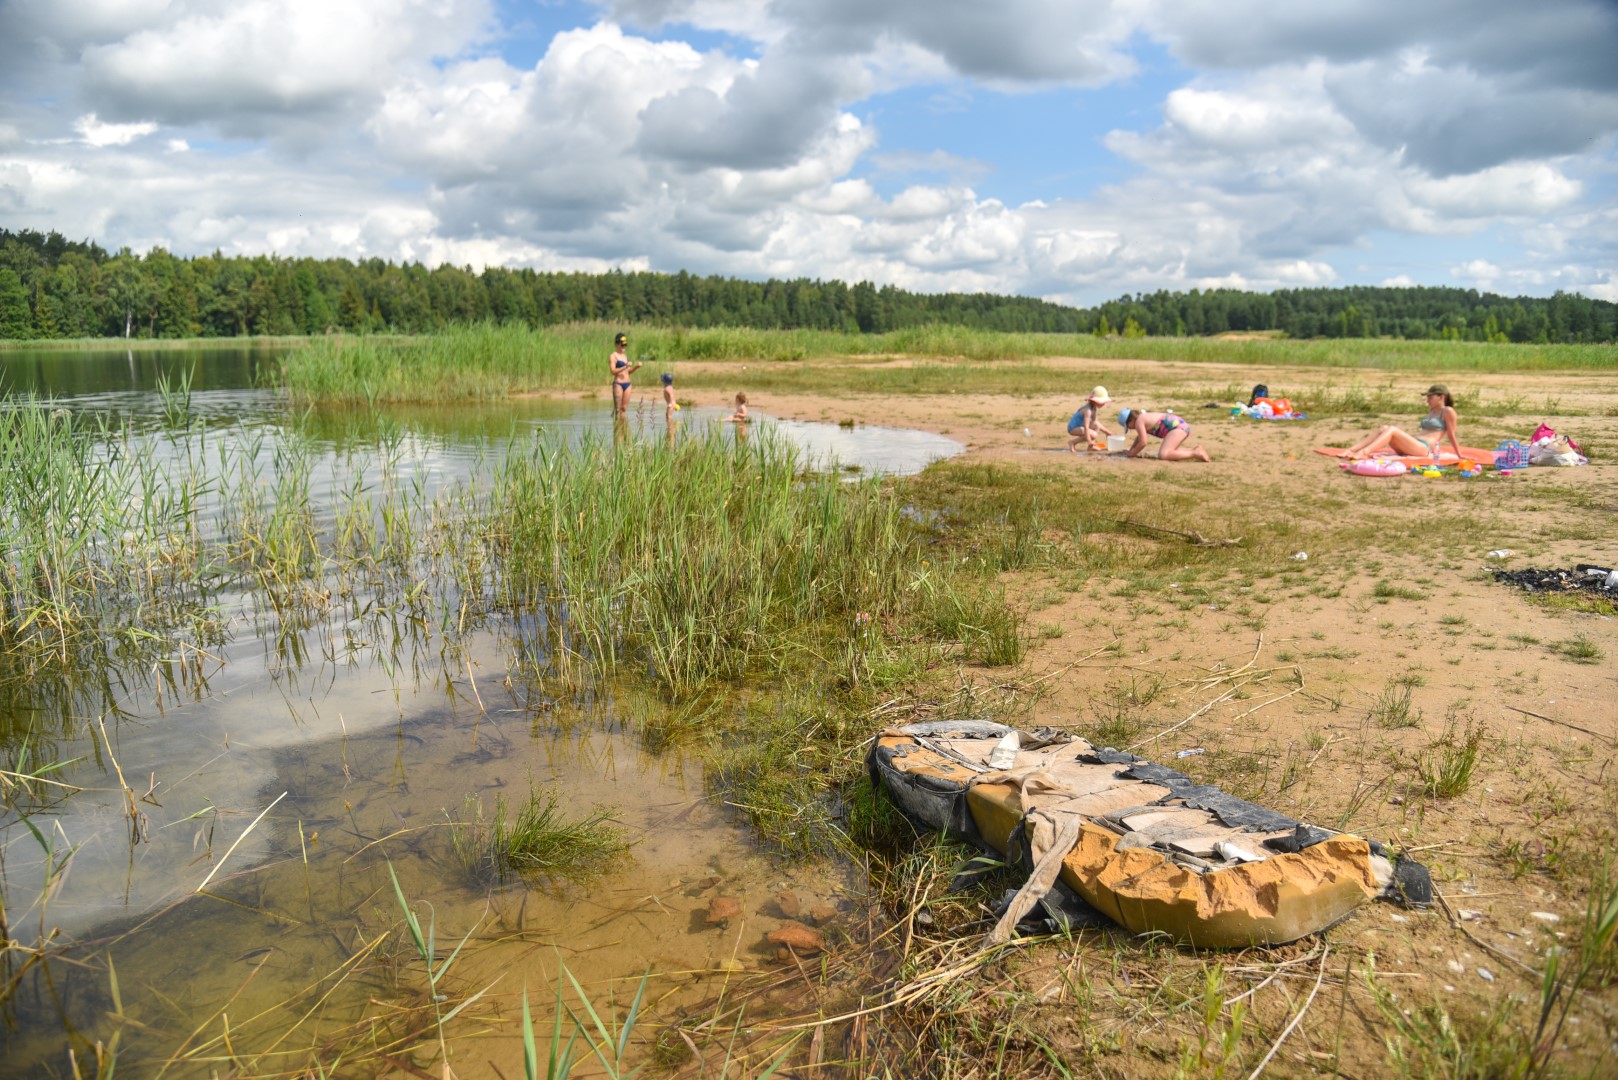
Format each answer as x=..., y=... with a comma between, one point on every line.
x=540, y=838
x=699, y=563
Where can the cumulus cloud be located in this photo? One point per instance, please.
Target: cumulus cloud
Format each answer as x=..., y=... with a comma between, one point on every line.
x=1454, y=121
x=1293, y=139
x=1454, y=85
x=95, y=133
x=243, y=65
x=763, y=119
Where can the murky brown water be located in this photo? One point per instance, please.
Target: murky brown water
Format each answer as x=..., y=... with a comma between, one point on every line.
x=290, y=942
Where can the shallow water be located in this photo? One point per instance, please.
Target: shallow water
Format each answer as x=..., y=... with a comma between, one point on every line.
x=234, y=908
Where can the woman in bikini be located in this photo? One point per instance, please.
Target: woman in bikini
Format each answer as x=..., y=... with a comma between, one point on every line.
x=1172, y=429
x=1437, y=428
x=622, y=369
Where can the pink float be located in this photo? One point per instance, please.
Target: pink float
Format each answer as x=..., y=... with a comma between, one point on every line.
x=1377, y=467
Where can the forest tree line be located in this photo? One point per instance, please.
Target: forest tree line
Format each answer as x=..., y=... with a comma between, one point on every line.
x=52, y=287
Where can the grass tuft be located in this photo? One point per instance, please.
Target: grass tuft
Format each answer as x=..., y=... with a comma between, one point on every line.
x=1579, y=649
x=541, y=839
x=1448, y=773
x=1393, y=707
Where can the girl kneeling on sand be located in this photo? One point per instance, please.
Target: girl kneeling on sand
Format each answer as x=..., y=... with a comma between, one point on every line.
x=1172, y=429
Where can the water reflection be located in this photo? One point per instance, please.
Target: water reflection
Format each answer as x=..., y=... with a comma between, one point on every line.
x=228, y=393
x=219, y=835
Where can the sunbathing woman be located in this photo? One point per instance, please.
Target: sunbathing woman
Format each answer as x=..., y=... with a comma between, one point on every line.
x=1437, y=427
x=1172, y=429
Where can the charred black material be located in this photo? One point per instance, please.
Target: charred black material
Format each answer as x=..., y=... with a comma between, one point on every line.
x=1304, y=836
x=1106, y=755
x=1412, y=884
x=1581, y=578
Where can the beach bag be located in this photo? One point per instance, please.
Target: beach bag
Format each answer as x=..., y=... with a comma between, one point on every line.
x=1545, y=431
x=1557, y=450
x=1511, y=454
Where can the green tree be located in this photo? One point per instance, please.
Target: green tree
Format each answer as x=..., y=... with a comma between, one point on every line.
x=16, y=320
x=127, y=290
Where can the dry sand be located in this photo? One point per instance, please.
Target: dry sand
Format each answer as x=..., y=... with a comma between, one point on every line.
x=1511, y=856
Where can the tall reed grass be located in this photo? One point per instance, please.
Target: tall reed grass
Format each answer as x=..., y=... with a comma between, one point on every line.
x=488, y=361
x=696, y=563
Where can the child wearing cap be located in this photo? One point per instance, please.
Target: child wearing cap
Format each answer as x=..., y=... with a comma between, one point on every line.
x=1174, y=430
x=1085, y=428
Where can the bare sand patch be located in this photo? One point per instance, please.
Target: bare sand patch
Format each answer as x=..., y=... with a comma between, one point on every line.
x=1376, y=662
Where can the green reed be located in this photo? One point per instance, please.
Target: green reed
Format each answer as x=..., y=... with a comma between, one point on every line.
x=540, y=838
x=699, y=559
x=486, y=361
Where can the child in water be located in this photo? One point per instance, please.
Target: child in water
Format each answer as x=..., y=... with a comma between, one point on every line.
x=670, y=406
x=1084, y=429
x=740, y=415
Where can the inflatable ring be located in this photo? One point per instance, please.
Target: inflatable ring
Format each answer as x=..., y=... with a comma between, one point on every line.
x=1377, y=467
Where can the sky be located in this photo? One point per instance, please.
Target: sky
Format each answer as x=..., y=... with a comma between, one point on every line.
x=1074, y=150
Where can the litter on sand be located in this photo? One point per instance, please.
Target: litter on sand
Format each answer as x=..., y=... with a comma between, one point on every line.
x=1583, y=577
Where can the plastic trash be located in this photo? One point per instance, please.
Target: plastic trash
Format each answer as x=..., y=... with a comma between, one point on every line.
x=1195, y=750
x=1501, y=553
x=1234, y=853
x=1004, y=754
x=1300, y=556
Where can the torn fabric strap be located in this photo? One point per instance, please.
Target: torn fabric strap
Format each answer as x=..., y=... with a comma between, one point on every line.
x=1050, y=841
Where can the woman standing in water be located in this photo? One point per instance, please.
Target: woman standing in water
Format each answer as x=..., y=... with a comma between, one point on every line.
x=622, y=369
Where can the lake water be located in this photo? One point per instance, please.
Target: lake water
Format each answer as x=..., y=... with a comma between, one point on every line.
x=212, y=890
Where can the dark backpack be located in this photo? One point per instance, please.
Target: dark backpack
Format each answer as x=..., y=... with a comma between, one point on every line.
x=1259, y=391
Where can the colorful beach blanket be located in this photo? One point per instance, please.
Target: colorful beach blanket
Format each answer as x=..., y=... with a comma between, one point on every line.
x=1446, y=457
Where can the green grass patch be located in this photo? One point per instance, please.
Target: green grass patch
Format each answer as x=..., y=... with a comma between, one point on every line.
x=1580, y=601
x=1393, y=707
x=1385, y=590
x=1579, y=649
x=1447, y=772
x=539, y=839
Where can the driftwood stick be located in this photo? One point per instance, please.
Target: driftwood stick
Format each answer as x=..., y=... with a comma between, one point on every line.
x=1193, y=537
x=1564, y=723
x=1308, y=1001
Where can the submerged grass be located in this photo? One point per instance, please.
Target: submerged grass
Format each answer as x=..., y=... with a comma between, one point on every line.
x=541, y=838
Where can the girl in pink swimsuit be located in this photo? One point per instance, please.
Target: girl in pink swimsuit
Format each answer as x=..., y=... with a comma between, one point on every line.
x=1172, y=429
